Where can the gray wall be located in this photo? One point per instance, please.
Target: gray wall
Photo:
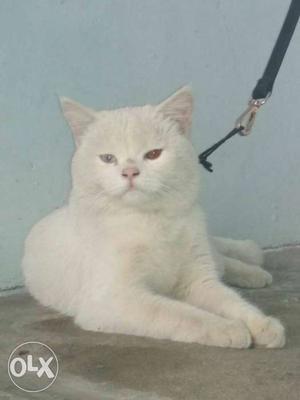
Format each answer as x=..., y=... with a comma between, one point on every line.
x=110, y=53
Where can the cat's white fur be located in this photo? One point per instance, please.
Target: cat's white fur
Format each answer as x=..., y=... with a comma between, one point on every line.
x=140, y=261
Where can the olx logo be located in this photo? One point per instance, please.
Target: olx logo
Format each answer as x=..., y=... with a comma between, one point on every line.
x=33, y=366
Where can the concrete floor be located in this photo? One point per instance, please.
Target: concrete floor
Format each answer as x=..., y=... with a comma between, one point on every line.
x=114, y=367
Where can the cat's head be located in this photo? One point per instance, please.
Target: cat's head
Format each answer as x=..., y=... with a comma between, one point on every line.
x=139, y=156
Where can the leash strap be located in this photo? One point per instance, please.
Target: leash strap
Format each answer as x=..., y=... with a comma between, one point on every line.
x=264, y=86
x=203, y=156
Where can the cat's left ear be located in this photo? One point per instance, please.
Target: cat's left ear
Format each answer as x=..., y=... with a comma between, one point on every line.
x=77, y=116
x=179, y=108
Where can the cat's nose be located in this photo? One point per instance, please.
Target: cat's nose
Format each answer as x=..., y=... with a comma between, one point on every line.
x=130, y=172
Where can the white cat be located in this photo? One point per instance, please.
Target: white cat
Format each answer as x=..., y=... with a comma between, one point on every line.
x=130, y=252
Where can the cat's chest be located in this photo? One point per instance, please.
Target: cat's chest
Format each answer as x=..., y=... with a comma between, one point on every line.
x=163, y=267
x=162, y=248
x=155, y=231
x=149, y=248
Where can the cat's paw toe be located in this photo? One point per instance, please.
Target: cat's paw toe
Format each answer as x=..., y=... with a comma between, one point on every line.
x=268, y=332
x=259, y=278
x=268, y=279
x=236, y=335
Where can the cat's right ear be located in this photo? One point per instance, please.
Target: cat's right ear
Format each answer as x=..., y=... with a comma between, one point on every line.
x=179, y=108
x=77, y=116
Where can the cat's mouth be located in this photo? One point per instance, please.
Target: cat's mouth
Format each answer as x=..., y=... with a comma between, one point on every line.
x=132, y=192
x=131, y=187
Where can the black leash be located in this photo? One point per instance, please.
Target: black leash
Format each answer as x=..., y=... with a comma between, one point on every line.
x=264, y=86
x=203, y=156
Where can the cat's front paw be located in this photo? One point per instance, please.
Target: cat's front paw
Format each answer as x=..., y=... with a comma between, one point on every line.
x=256, y=277
x=268, y=332
x=232, y=333
x=265, y=278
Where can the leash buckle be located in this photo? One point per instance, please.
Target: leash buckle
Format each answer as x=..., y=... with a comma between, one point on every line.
x=247, y=118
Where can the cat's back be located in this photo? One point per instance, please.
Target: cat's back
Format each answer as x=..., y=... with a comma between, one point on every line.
x=47, y=255
x=47, y=231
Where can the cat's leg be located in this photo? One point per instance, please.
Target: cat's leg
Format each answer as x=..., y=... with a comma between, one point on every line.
x=213, y=296
x=142, y=313
x=244, y=250
x=241, y=259
x=240, y=274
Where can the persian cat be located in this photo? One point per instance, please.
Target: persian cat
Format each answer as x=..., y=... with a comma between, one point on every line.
x=130, y=252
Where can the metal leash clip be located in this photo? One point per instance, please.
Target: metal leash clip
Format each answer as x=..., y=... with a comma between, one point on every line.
x=247, y=118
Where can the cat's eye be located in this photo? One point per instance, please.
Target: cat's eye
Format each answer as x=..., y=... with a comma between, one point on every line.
x=153, y=154
x=108, y=158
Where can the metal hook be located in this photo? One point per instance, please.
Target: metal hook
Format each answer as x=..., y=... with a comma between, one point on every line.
x=247, y=118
